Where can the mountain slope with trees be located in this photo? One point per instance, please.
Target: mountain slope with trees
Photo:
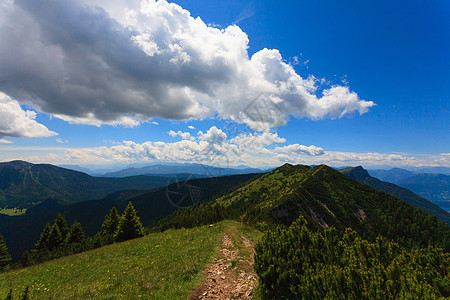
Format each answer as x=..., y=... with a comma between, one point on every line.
x=358, y=173
x=325, y=198
x=23, y=184
x=21, y=232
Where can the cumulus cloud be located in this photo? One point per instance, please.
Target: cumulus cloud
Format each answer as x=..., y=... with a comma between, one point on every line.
x=257, y=142
x=338, y=158
x=220, y=148
x=225, y=153
x=301, y=149
x=212, y=147
x=183, y=135
x=121, y=62
x=16, y=122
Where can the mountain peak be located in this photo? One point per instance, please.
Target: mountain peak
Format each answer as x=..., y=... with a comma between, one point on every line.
x=16, y=164
x=357, y=173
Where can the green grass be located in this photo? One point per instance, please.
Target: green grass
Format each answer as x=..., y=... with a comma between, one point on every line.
x=13, y=211
x=166, y=265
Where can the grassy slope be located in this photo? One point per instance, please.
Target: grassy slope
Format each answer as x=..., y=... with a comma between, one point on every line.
x=151, y=207
x=166, y=265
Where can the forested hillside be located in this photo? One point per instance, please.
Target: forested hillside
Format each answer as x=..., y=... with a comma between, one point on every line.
x=358, y=173
x=23, y=184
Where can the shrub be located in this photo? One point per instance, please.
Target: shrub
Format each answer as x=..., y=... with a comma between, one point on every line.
x=299, y=263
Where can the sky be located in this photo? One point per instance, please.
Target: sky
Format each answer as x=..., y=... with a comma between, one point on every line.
x=225, y=83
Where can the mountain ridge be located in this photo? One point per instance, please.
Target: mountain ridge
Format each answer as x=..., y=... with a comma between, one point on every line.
x=23, y=184
x=197, y=169
x=324, y=197
x=362, y=175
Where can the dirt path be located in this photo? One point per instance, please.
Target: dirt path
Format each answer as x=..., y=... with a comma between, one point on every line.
x=232, y=276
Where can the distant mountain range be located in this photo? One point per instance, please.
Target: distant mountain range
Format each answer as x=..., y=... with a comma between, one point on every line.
x=435, y=187
x=392, y=175
x=24, y=184
x=434, y=170
x=197, y=169
x=432, y=186
x=358, y=173
x=166, y=169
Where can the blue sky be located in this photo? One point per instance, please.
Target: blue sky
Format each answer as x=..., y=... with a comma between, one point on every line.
x=391, y=59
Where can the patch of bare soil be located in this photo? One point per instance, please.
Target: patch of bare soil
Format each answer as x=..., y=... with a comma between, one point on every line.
x=230, y=277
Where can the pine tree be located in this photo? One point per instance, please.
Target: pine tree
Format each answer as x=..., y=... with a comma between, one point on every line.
x=43, y=239
x=26, y=259
x=60, y=221
x=54, y=237
x=130, y=226
x=76, y=234
x=5, y=258
x=111, y=223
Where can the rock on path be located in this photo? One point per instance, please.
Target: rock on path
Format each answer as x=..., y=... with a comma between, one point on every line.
x=230, y=277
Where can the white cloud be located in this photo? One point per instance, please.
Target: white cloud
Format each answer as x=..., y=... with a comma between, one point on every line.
x=3, y=141
x=154, y=123
x=297, y=149
x=183, y=135
x=58, y=140
x=124, y=62
x=256, y=143
x=337, y=158
x=89, y=119
x=224, y=153
x=264, y=138
x=191, y=127
x=15, y=122
x=214, y=147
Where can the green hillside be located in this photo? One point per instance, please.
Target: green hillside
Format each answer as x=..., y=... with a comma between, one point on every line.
x=389, y=248
x=22, y=232
x=325, y=198
x=358, y=173
x=23, y=184
x=166, y=265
